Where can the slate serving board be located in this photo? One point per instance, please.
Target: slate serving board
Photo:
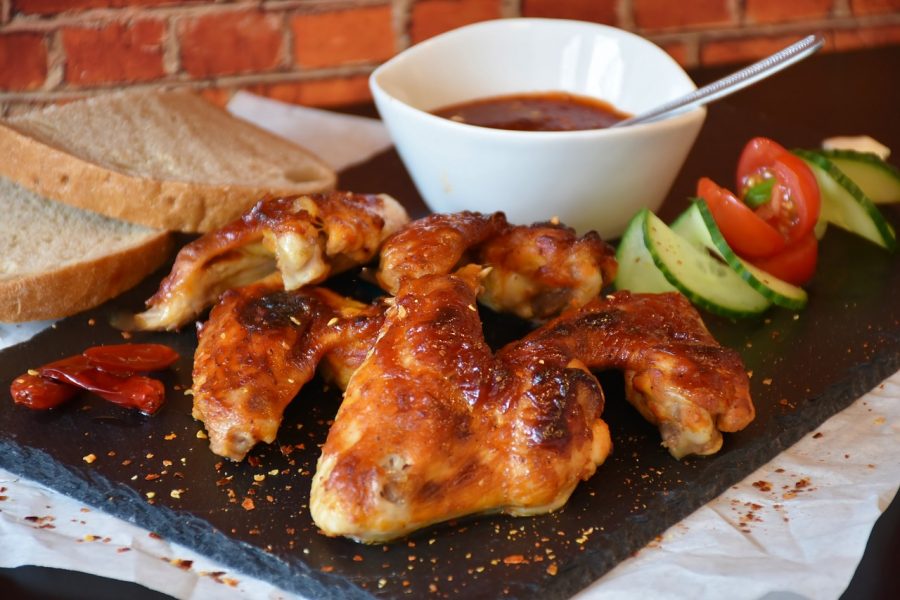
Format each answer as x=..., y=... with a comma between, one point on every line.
x=253, y=516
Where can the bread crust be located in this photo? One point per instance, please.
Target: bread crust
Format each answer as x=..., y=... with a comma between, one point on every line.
x=171, y=205
x=83, y=285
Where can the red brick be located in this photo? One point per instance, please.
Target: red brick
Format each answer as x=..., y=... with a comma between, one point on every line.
x=48, y=7
x=743, y=50
x=852, y=39
x=23, y=61
x=431, y=17
x=666, y=14
x=340, y=37
x=319, y=92
x=874, y=7
x=598, y=11
x=779, y=11
x=230, y=42
x=218, y=96
x=115, y=52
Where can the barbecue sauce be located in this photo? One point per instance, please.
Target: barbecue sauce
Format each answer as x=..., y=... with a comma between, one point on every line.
x=545, y=111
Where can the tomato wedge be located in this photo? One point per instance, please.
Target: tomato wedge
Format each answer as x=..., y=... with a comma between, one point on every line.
x=795, y=264
x=746, y=232
x=794, y=199
x=125, y=359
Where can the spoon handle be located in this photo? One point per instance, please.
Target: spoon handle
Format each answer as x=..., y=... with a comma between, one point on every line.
x=734, y=82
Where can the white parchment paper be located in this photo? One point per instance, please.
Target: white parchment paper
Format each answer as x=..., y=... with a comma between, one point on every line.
x=797, y=527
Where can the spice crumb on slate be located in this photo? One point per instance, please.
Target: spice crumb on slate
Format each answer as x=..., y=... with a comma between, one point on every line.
x=90, y=458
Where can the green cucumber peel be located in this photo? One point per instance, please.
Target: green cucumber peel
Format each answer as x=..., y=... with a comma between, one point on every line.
x=705, y=281
x=637, y=271
x=878, y=179
x=844, y=204
x=698, y=226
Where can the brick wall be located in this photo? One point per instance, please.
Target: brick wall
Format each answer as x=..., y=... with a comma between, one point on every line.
x=320, y=52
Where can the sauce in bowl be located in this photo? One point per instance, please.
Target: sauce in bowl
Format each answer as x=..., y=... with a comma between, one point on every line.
x=545, y=111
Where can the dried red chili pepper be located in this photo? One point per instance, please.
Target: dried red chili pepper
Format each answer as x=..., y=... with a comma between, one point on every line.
x=131, y=358
x=39, y=393
x=111, y=372
x=135, y=391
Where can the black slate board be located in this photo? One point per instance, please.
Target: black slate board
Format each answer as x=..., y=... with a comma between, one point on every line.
x=806, y=366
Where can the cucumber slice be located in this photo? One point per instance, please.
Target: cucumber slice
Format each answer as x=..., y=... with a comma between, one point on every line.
x=845, y=205
x=878, y=180
x=637, y=271
x=698, y=226
x=707, y=282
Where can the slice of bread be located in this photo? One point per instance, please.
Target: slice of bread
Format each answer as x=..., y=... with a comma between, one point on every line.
x=57, y=260
x=167, y=160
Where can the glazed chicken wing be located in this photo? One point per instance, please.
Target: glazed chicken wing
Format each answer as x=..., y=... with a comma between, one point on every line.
x=433, y=426
x=260, y=346
x=536, y=271
x=676, y=374
x=295, y=241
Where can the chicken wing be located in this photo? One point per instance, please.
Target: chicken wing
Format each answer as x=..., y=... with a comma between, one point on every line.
x=536, y=271
x=295, y=240
x=433, y=426
x=676, y=374
x=541, y=270
x=260, y=346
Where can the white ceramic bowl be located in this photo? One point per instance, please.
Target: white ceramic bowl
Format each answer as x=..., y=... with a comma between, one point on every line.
x=594, y=179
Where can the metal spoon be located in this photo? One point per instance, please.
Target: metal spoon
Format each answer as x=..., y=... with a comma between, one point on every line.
x=734, y=82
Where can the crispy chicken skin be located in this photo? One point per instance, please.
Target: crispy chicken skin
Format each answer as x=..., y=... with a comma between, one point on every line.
x=676, y=374
x=537, y=271
x=295, y=240
x=434, y=245
x=260, y=346
x=434, y=426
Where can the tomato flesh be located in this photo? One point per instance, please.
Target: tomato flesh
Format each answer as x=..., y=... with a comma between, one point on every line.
x=793, y=207
x=795, y=264
x=746, y=233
